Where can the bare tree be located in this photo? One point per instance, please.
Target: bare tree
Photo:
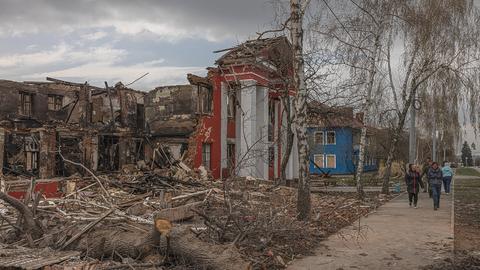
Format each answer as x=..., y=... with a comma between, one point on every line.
x=296, y=33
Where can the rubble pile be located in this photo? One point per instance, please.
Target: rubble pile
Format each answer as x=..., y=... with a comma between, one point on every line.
x=154, y=219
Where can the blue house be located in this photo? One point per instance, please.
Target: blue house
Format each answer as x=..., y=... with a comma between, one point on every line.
x=334, y=137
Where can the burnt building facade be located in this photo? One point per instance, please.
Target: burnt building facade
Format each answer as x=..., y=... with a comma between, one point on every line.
x=43, y=123
x=231, y=122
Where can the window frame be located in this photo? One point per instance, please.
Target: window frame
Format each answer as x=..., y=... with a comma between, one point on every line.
x=207, y=155
x=205, y=99
x=57, y=102
x=334, y=161
x=230, y=155
x=322, y=165
x=22, y=105
x=315, y=137
x=231, y=105
x=334, y=137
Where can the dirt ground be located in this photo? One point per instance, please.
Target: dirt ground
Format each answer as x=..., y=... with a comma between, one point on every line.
x=395, y=237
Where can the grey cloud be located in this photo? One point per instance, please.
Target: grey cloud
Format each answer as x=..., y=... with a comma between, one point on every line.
x=211, y=19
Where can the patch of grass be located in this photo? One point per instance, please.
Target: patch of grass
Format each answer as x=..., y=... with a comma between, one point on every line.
x=467, y=214
x=468, y=172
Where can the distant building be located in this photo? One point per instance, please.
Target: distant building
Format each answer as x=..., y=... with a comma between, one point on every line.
x=334, y=138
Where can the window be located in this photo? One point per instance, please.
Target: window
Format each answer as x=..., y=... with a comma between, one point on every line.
x=206, y=155
x=331, y=137
x=205, y=99
x=318, y=159
x=26, y=104
x=55, y=102
x=319, y=137
x=230, y=156
x=231, y=105
x=140, y=117
x=331, y=161
x=271, y=120
x=271, y=156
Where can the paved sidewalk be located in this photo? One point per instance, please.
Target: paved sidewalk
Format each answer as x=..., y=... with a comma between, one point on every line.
x=395, y=237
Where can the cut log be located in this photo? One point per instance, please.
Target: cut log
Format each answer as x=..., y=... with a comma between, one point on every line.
x=184, y=246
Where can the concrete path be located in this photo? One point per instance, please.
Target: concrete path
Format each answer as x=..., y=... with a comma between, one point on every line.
x=395, y=237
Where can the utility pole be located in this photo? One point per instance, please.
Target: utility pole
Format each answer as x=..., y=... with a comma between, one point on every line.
x=412, y=140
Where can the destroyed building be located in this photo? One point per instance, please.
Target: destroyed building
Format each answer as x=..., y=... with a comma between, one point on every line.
x=41, y=122
x=231, y=121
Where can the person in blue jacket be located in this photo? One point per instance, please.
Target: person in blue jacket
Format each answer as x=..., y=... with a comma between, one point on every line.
x=447, y=173
x=435, y=179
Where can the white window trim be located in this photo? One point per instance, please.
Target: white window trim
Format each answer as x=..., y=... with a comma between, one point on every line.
x=323, y=161
x=315, y=136
x=334, y=161
x=326, y=137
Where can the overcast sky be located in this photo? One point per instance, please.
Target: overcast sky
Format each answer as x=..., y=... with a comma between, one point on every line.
x=119, y=40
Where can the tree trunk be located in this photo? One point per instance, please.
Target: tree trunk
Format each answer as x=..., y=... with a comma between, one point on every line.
x=361, y=159
x=396, y=135
x=290, y=136
x=30, y=226
x=366, y=113
x=296, y=32
x=388, y=164
x=184, y=246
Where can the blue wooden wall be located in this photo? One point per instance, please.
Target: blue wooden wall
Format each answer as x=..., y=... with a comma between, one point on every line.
x=343, y=149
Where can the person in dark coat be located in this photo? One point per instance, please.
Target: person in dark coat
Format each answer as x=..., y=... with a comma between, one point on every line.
x=435, y=178
x=413, y=182
x=426, y=166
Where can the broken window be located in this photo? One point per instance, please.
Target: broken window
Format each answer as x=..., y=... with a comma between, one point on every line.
x=72, y=149
x=319, y=137
x=231, y=104
x=271, y=120
x=331, y=161
x=108, y=158
x=230, y=156
x=206, y=155
x=140, y=117
x=318, y=159
x=31, y=149
x=205, y=99
x=26, y=104
x=331, y=137
x=271, y=156
x=55, y=102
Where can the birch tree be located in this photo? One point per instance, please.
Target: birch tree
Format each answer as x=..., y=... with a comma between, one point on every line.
x=359, y=36
x=296, y=35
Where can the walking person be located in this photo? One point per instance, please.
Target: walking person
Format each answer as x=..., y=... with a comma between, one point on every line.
x=435, y=179
x=447, y=173
x=413, y=182
x=426, y=166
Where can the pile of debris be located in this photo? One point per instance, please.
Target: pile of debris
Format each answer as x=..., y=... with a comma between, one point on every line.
x=157, y=219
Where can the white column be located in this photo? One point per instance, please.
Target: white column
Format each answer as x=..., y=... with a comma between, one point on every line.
x=292, y=165
x=246, y=128
x=261, y=142
x=223, y=127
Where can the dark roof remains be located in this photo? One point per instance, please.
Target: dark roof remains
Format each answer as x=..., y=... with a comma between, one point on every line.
x=249, y=51
x=320, y=115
